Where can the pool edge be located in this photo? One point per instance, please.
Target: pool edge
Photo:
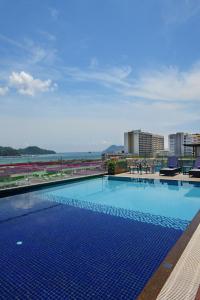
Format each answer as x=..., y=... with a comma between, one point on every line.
x=33, y=187
x=161, y=275
x=146, y=178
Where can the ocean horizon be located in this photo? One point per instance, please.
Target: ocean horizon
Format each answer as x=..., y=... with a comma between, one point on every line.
x=49, y=157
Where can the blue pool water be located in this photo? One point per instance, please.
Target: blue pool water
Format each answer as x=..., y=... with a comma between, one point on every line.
x=92, y=239
x=169, y=199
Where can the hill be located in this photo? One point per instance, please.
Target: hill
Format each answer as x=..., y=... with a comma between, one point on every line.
x=8, y=151
x=32, y=150
x=114, y=149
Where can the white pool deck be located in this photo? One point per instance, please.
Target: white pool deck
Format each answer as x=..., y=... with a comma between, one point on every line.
x=157, y=176
x=184, y=281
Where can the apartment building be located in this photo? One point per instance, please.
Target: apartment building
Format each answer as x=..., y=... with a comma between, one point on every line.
x=144, y=144
x=177, y=144
x=195, y=144
x=158, y=142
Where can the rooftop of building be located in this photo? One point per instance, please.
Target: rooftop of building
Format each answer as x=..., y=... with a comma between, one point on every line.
x=145, y=132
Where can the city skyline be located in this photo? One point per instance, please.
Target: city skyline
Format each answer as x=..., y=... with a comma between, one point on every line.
x=74, y=76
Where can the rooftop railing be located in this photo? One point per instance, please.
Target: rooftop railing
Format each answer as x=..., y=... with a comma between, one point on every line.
x=25, y=174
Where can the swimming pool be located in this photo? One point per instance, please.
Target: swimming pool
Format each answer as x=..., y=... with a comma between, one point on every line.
x=93, y=239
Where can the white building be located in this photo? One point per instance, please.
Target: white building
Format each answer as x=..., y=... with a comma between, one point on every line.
x=144, y=144
x=177, y=143
x=195, y=144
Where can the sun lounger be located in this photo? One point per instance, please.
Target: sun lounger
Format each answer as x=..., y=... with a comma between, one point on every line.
x=195, y=172
x=172, y=167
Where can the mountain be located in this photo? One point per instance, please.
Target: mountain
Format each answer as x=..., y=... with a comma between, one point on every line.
x=8, y=151
x=32, y=150
x=114, y=149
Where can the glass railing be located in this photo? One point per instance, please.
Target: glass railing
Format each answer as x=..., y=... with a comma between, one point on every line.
x=156, y=164
x=27, y=174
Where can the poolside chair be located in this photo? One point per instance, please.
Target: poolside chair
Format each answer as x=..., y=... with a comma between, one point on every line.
x=172, y=167
x=195, y=171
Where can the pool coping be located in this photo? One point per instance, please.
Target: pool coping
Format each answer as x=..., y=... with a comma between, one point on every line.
x=161, y=275
x=184, y=281
x=124, y=176
x=37, y=186
x=156, y=176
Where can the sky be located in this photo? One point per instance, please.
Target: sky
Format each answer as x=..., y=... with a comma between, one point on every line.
x=75, y=75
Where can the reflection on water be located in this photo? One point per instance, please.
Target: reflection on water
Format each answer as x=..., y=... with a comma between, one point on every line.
x=18, y=205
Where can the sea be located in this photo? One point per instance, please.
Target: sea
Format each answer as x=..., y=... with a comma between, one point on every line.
x=49, y=157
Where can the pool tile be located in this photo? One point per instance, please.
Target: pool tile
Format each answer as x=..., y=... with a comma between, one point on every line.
x=73, y=253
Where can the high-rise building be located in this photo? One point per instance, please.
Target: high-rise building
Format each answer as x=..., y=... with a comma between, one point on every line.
x=177, y=143
x=195, y=145
x=143, y=144
x=158, y=142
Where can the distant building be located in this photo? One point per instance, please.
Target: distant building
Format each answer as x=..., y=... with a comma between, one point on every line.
x=143, y=144
x=195, y=144
x=196, y=138
x=178, y=144
x=162, y=153
x=157, y=143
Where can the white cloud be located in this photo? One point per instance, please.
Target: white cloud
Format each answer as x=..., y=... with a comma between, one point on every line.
x=30, y=53
x=115, y=77
x=12, y=42
x=166, y=84
x=27, y=85
x=38, y=54
x=3, y=90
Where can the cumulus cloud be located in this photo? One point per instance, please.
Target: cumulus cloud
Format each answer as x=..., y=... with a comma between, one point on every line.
x=3, y=90
x=27, y=85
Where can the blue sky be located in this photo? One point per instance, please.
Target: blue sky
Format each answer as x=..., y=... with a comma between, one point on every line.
x=74, y=75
